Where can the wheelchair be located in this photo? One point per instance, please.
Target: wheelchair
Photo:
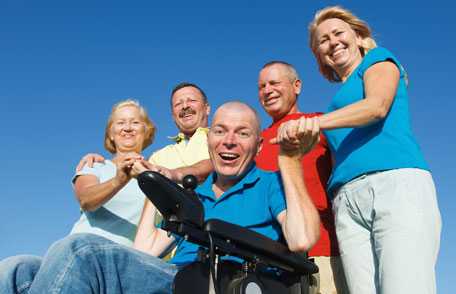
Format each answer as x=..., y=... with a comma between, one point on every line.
x=261, y=265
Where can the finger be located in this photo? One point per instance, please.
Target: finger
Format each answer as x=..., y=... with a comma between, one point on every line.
x=98, y=158
x=80, y=165
x=273, y=141
x=302, y=128
x=316, y=127
x=90, y=161
x=278, y=137
x=166, y=173
x=146, y=163
x=292, y=130
x=129, y=162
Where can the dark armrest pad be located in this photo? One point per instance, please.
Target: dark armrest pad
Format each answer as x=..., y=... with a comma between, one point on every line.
x=171, y=199
x=256, y=242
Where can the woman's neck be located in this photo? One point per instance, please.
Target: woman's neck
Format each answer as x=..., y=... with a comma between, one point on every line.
x=124, y=152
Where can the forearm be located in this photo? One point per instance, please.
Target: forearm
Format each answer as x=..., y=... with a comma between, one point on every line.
x=91, y=197
x=148, y=236
x=380, y=86
x=200, y=170
x=301, y=224
x=358, y=114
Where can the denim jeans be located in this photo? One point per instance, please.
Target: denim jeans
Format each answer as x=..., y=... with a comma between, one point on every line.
x=17, y=273
x=388, y=226
x=86, y=263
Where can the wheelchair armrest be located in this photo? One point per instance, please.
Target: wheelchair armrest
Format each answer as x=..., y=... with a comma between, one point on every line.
x=174, y=203
x=260, y=247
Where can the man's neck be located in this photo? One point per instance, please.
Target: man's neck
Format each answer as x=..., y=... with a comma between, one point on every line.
x=188, y=135
x=222, y=184
x=293, y=109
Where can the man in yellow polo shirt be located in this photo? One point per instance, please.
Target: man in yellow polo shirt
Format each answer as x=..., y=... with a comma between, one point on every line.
x=188, y=154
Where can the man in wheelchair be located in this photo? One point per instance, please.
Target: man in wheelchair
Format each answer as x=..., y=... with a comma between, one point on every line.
x=270, y=204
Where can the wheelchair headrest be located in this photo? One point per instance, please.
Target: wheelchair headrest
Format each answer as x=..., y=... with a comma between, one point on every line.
x=174, y=203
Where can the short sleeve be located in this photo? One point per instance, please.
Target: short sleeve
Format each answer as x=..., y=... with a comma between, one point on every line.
x=95, y=170
x=377, y=55
x=276, y=193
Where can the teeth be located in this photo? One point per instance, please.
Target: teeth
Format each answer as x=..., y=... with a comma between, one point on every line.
x=336, y=52
x=271, y=99
x=229, y=155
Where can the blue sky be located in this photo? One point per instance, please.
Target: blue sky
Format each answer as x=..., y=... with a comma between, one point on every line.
x=65, y=63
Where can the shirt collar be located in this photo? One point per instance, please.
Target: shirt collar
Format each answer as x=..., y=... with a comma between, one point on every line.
x=250, y=177
x=181, y=137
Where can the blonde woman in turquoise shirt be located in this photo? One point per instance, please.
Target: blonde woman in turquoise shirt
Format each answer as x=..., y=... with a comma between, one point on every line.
x=387, y=218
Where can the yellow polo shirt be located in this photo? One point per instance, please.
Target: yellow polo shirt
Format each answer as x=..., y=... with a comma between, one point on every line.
x=183, y=152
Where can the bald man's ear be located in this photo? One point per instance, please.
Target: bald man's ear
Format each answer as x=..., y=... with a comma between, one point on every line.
x=208, y=109
x=297, y=86
x=260, y=146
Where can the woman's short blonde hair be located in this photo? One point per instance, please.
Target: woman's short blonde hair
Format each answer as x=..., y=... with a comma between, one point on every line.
x=150, y=127
x=359, y=26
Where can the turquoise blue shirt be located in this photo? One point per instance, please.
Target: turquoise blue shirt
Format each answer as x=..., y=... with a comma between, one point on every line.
x=254, y=202
x=384, y=145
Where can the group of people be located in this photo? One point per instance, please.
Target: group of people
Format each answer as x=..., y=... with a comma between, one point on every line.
x=349, y=186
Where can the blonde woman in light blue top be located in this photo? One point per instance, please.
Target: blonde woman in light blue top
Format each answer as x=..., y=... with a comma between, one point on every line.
x=110, y=199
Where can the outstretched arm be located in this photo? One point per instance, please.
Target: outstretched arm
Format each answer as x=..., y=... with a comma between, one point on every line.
x=200, y=170
x=300, y=221
x=380, y=85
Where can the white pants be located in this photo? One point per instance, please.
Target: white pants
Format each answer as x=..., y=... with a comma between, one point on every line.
x=388, y=225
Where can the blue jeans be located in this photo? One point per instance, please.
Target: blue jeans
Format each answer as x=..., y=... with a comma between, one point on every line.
x=17, y=273
x=86, y=263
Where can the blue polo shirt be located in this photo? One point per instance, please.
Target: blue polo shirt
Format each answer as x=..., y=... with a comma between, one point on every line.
x=383, y=145
x=254, y=202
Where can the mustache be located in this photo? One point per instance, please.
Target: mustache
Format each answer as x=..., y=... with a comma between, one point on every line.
x=186, y=111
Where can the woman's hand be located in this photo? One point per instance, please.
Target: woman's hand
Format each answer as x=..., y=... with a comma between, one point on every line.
x=124, y=164
x=89, y=159
x=297, y=137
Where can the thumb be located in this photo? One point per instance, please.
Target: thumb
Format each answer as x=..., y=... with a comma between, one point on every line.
x=274, y=141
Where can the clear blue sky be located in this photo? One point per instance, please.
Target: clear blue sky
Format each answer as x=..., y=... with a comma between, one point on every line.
x=64, y=63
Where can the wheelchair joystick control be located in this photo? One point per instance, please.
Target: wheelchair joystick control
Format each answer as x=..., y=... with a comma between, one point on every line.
x=189, y=182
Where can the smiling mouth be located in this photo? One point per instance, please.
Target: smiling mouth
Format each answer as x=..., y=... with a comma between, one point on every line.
x=128, y=136
x=271, y=100
x=187, y=113
x=229, y=157
x=337, y=53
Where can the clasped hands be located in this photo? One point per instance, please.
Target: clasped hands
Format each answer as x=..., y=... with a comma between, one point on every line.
x=297, y=137
x=130, y=165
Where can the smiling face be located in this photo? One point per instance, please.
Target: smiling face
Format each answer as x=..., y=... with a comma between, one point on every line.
x=234, y=140
x=189, y=109
x=337, y=45
x=127, y=130
x=278, y=91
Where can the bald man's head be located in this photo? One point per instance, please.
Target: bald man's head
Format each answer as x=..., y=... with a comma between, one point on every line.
x=234, y=140
x=240, y=107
